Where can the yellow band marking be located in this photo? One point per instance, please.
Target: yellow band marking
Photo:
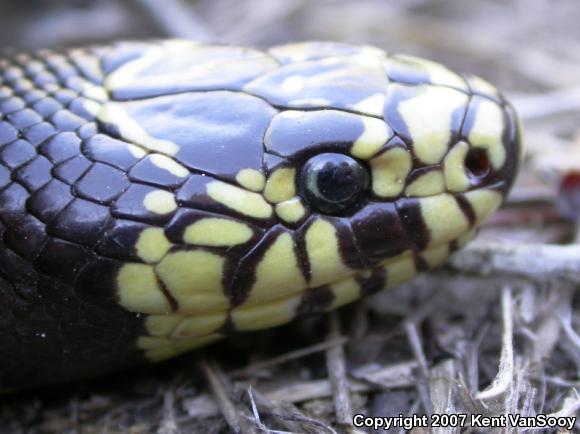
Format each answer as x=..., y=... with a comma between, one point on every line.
x=373, y=105
x=251, y=179
x=454, y=168
x=291, y=211
x=194, y=279
x=484, y=202
x=277, y=274
x=487, y=131
x=215, y=231
x=374, y=136
x=323, y=253
x=162, y=325
x=436, y=256
x=428, y=117
x=345, y=291
x=168, y=338
x=96, y=93
x=240, y=200
x=265, y=315
x=428, y=184
x=197, y=326
x=131, y=130
x=281, y=185
x=160, y=202
x=445, y=220
x=92, y=107
x=152, y=245
x=400, y=268
x=136, y=151
x=390, y=170
x=139, y=290
x=95, y=109
x=464, y=239
x=172, y=166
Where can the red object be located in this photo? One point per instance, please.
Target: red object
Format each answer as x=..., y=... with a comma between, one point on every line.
x=568, y=202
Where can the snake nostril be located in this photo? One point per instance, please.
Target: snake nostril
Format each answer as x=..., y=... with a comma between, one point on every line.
x=477, y=163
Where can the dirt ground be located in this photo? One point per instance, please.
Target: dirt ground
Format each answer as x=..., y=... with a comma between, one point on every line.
x=496, y=331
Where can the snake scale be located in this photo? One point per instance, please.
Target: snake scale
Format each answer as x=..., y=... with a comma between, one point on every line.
x=157, y=196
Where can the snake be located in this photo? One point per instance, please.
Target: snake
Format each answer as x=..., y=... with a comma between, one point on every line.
x=157, y=196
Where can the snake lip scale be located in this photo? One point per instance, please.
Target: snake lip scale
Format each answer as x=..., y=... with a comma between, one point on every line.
x=158, y=196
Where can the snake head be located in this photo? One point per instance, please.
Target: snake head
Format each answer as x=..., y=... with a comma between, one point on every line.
x=309, y=175
x=417, y=164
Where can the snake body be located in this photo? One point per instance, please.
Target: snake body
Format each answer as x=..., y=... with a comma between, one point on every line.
x=155, y=197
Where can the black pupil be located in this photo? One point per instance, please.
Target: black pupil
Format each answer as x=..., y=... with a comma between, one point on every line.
x=337, y=182
x=333, y=182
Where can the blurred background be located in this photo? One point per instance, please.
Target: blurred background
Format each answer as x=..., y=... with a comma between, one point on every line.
x=524, y=46
x=396, y=341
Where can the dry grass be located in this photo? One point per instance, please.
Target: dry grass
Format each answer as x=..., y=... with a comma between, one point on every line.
x=494, y=332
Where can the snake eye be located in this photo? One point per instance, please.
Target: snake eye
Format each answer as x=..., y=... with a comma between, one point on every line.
x=477, y=164
x=332, y=183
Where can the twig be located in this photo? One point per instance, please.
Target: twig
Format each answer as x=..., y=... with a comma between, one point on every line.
x=560, y=101
x=417, y=348
x=398, y=375
x=283, y=358
x=570, y=333
x=168, y=425
x=335, y=365
x=570, y=407
x=533, y=261
x=256, y=419
x=314, y=422
x=505, y=374
x=217, y=385
x=559, y=381
x=473, y=360
x=441, y=385
x=283, y=411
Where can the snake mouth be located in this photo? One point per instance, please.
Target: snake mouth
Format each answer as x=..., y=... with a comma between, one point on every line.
x=446, y=227
x=191, y=332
